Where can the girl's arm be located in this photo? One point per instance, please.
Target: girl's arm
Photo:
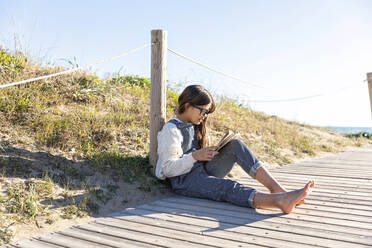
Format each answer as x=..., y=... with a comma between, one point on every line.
x=171, y=160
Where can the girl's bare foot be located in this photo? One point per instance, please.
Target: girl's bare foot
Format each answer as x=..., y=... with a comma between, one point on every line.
x=289, y=199
x=282, y=191
x=301, y=202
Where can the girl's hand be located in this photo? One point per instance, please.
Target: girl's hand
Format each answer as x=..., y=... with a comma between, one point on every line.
x=205, y=154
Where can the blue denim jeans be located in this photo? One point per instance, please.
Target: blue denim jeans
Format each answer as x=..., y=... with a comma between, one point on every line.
x=206, y=178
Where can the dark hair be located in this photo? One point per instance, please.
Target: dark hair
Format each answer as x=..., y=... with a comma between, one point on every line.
x=197, y=95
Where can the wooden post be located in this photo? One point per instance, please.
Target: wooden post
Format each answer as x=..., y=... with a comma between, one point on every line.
x=369, y=79
x=158, y=91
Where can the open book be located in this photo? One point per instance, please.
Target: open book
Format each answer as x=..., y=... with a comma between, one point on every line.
x=226, y=139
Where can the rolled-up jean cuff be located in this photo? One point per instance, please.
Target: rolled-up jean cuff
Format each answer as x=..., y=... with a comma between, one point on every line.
x=250, y=198
x=253, y=170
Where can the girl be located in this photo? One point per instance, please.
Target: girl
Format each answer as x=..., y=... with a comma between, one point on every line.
x=193, y=168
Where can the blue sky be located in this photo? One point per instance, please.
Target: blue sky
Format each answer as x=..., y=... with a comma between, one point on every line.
x=291, y=48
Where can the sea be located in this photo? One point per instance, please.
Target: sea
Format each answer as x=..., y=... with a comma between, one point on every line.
x=350, y=130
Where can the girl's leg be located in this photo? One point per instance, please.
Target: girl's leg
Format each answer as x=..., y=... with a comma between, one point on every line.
x=285, y=201
x=237, y=151
x=200, y=184
x=265, y=177
x=234, y=151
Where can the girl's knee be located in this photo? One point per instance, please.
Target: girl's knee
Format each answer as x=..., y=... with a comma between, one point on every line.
x=236, y=141
x=234, y=144
x=237, y=145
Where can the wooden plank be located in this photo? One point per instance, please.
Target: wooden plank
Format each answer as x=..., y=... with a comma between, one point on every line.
x=363, y=157
x=67, y=241
x=353, y=194
x=230, y=231
x=148, y=238
x=323, y=181
x=329, y=209
x=339, y=161
x=302, y=211
x=8, y=246
x=357, y=154
x=184, y=235
x=314, y=173
x=334, y=163
x=339, y=197
x=265, y=222
x=319, y=183
x=225, y=208
x=33, y=243
x=346, y=168
x=356, y=171
x=365, y=209
x=342, y=208
x=300, y=182
x=104, y=238
x=183, y=231
x=355, y=157
x=343, y=160
x=338, y=205
x=351, y=158
x=339, y=200
x=332, y=191
x=324, y=178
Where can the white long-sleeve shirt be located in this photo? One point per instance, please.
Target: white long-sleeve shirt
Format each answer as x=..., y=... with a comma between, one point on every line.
x=171, y=160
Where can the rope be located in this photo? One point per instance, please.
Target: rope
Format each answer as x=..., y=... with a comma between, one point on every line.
x=75, y=69
x=289, y=100
x=238, y=79
x=306, y=97
x=215, y=70
x=178, y=54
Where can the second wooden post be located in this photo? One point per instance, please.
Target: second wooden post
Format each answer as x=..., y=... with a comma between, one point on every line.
x=369, y=79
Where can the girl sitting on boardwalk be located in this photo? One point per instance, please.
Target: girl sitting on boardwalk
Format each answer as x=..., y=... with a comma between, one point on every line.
x=195, y=169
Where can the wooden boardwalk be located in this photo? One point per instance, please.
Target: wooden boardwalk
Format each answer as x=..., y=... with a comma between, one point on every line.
x=338, y=214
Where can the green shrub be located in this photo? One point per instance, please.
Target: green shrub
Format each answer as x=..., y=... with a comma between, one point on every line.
x=131, y=81
x=10, y=63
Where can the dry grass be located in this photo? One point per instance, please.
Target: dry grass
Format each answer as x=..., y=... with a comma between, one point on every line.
x=69, y=143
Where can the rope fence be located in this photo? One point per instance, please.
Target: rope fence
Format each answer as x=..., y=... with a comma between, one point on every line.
x=214, y=70
x=186, y=58
x=244, y=81
x=308, y=97
x=75, y=69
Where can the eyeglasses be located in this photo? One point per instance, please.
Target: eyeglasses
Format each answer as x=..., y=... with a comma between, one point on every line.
x=203, y=111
